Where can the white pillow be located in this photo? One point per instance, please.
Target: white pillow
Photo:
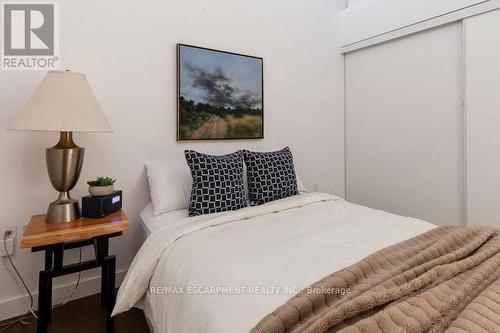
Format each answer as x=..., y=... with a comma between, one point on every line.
x=170, y=185
x=300, y=186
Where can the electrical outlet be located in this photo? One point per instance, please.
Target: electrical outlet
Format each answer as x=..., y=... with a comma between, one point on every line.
x=10, y=242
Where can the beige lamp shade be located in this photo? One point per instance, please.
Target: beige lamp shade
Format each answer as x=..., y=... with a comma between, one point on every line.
x=64, y=102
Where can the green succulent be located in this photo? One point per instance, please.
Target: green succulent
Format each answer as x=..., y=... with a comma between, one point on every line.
x=102, y=181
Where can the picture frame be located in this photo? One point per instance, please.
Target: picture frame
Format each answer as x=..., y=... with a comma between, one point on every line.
x=220, y=95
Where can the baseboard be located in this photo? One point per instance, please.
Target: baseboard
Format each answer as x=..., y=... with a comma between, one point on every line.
x=14, y=307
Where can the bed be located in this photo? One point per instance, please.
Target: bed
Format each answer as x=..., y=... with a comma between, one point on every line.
x=224, y=272
x=151, y=223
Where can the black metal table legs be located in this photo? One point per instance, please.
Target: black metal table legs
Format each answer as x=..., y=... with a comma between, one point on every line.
x=110, y=292
x=54, y=268
x=44, y=308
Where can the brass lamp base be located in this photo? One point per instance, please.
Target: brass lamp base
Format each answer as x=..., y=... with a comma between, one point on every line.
x=64, y=163
x=64, y=209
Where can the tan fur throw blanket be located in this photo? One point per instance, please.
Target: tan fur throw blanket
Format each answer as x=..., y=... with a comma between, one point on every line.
x=445, y=280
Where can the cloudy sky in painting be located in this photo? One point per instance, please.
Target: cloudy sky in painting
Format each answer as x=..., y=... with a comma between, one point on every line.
x=220, y=79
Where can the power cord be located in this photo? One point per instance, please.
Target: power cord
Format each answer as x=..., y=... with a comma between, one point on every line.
x=75, y=289
x=31, y=317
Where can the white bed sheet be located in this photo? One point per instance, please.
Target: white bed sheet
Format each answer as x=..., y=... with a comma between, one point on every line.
x=289, y=243
x=150, y=222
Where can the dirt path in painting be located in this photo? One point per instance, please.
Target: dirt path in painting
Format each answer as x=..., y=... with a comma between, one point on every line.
x=215, y=127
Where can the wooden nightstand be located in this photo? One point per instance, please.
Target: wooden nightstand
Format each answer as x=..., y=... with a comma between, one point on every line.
x=55, y=238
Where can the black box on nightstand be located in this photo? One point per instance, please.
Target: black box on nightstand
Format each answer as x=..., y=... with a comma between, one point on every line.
x=97, y=207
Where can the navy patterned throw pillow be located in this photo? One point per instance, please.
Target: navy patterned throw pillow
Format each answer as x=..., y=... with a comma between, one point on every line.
x=271, y=176
x=217, y=182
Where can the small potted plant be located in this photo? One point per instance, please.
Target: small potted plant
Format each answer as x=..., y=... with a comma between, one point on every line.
x=101, y=186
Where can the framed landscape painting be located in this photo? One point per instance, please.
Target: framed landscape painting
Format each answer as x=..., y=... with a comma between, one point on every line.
x=220, y=95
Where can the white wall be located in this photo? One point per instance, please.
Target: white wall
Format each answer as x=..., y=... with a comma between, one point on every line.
x=127, y=50
x=404, y=123
x=370, y=18
x=482, y=78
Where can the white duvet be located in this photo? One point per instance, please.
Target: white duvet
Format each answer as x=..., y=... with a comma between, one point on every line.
x=224, y=272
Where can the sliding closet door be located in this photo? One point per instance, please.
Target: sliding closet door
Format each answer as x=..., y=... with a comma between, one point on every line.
x=404, y=126
x=482, y=78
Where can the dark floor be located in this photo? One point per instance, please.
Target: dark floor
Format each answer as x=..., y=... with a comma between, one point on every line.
x=85, y=315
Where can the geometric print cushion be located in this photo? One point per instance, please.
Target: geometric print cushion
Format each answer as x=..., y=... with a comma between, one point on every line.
x=217, y=182
x=271, y=176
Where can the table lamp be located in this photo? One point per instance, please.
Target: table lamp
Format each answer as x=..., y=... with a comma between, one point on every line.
x=65, y=103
